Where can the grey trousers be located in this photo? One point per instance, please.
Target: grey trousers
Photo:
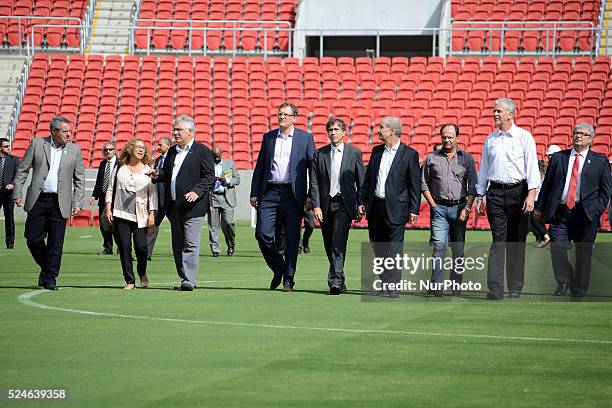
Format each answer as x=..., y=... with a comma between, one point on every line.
x=222, y=216
x=186, y=234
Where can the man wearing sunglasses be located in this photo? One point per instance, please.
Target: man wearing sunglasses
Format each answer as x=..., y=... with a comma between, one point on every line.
x=8, y=170
x=105, y=172
x=574, y=195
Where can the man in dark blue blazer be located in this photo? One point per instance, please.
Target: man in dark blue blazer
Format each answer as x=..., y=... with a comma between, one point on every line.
x=390, y=196
x=574, y=194
x=279, y=190
x=105, y=171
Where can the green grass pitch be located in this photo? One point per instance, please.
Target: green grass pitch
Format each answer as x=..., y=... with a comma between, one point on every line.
x=233, y=342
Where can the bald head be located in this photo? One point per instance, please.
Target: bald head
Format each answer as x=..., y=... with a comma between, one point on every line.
x=217, y=153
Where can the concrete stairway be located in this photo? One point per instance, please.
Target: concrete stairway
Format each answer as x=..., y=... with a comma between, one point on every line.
x=106, y=40
x=11, y=67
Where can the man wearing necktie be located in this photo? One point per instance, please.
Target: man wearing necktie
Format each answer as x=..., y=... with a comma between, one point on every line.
x=8, y=169
x=163, y=145
x=336, y=176
x=99, y=193
x=575, y=193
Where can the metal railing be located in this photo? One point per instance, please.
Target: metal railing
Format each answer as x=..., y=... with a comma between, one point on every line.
x=207, y=26
x=21, y=88
x=23, y=21
x=550, y=32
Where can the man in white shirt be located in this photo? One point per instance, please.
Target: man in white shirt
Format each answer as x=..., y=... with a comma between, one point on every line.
x=509, y=178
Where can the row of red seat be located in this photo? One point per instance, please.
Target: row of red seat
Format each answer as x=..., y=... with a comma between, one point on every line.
x=246, y=26
x=116, y=98
x=16, y=31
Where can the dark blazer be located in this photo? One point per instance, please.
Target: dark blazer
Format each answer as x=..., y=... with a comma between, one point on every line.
x=11, y=164
x=302, y=151
x=351, y=178
x=196, y=174
x=97, y=193
x=595, y=185
x=163, y=189
x=402, y=188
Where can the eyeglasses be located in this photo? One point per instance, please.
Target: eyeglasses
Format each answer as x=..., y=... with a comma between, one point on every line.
x=63, y=131
x=283, y=115
x=584, y=134
x=140, y=147
x=108, y=150
x=179, y=129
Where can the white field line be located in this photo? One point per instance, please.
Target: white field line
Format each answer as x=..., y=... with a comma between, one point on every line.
x=26, y=299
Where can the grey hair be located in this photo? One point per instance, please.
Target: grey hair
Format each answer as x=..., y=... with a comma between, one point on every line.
x=165, y=139
x=394, y=123
x=186, y=120
x=57, y=122
x=585, y=126
x=108, y=143
x=508, y=103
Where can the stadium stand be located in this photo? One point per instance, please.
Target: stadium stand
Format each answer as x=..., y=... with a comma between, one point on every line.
x=526, y=25
x=18, y=17
x=218, y=26
x=232, y=99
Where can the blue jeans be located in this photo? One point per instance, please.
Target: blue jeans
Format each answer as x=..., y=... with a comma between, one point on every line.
x=445, y=227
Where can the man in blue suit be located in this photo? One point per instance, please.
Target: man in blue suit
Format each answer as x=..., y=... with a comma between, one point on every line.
x=390, y=196
x=279, y=189
x=574, y=194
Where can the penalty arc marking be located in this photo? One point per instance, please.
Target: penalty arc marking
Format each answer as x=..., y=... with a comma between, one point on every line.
x=26, y=299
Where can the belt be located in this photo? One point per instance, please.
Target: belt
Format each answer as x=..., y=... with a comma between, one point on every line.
x=336, y=197
x=48, y=195
x=382, y=200
x=279, y=185
x=450, y=203
x=506, y=186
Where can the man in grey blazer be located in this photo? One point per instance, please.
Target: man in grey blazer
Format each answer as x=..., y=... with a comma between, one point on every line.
x=336, y=176
x=222, y=203
x=56, y=191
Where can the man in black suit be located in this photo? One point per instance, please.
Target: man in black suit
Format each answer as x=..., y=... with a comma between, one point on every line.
x=103, y=179
x=189, y=171
x=163, y=145
x=279, y=190
x=8, y=170
x=390, y=196
x=336, y=176
x=575, y=193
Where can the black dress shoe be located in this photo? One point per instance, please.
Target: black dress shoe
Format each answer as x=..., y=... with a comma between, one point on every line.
x=456, y=293
x=105, y=252
x=276, y=280
x=561, y=290
x=334, y=290
x=577, y=294
x=514, y=294
x=50, y=286
x=41, y=283
x=184, y=288
x=215, y=254
x=493, y=296
x=230, y=251
x=306, y=249
x=9, y=247
x=343, y=288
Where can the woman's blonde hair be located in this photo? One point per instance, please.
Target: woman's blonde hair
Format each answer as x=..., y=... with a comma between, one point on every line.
x=127, y=150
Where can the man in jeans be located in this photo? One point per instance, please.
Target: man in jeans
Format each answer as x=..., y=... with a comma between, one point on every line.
x=448, y=182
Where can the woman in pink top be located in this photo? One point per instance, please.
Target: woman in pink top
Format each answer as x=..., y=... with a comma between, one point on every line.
x=131, y=204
